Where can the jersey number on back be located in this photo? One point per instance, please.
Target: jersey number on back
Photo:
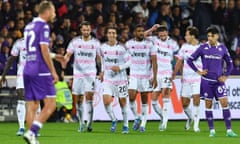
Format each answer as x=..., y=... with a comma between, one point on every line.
x=31, y=36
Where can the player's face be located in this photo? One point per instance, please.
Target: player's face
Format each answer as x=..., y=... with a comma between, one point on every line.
x=86, y=31
x=163, y=35
x=52, y=14
x=188, y=37
x=212, y=38
x=139, y=33
x=112, y=35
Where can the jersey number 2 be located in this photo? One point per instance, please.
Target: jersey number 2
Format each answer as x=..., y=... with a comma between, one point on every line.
x=31, y=36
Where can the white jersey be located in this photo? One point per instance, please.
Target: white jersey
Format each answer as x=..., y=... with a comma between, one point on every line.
x=141, y=52
x=84, y=56
x=115, y=55
x=19, y=49
x=165, y=54
x=189, y=76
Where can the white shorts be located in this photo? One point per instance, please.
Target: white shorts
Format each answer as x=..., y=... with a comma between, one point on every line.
x=164, y=82
x=189, y=89
x=141, y=85
x=19, y=82
x=120, y=91
x=82, y=85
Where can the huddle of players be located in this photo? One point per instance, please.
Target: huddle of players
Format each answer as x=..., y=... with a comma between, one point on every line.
x=149, y=59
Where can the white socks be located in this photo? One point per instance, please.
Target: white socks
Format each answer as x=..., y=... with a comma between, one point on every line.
x=80, y=113
x=109, y=110
x=21, y=113
x=196, y=117
x=166, y=107
x=144, y=115
x=125, y=116
x=157, y=108
x=188, y=112
x=133, y=107
x=89, y=113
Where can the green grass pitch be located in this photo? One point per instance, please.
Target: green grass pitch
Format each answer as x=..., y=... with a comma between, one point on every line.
x=63, y=133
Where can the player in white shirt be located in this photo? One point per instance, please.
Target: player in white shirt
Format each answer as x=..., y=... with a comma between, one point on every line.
x=86, y=55
x=166, y=49
x=143, y=74
x=19, y=51
x=190, y=79
x=115, y=60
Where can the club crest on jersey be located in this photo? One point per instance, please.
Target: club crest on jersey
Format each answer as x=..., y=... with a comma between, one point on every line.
x=220, y=49
x=205, y=94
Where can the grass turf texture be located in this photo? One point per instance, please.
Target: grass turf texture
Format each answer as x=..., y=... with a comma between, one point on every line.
x=62, y=133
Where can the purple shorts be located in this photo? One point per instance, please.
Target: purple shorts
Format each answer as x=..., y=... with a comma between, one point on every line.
x=211, y=89
x=38, y=87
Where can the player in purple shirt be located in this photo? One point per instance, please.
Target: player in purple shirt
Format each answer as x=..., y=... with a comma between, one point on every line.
x=213, y=54
x=39, y=72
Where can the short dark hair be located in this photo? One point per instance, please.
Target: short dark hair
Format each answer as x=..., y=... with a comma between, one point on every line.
x=162, y=28
x=138, y=26
x=212, y=29
x=193, y=31
x=44, y=5
x=86, y=23
x=111, y=27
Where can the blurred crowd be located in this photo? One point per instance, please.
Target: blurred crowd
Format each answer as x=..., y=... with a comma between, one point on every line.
x=15, y=14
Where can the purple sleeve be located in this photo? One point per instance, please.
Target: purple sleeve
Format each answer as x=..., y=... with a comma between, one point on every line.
x=228, y=61
x=45, y=35
x=194, y=57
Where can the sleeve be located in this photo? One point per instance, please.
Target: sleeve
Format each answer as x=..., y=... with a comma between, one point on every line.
x=15, y=49
x=153, y=49
x=228, y=61
x=176, y=48
x=194, y=57
x=98, y=48
x=70, y=47
x=127, y=59
x=44, y=35
x=180, y=54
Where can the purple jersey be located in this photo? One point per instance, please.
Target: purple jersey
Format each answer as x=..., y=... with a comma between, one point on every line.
x=38, y=81
x=37, y=32
x=212, y=59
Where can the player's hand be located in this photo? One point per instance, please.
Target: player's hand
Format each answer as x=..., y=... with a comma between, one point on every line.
x=154, y=27
x=101, y=76
x=55, y=77
x=203, y=72
x=154, y=83
x=115, y=69
x=222, y=79
x=2, y=81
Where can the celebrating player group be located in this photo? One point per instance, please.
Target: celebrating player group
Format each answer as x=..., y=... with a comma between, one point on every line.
x=148, y=56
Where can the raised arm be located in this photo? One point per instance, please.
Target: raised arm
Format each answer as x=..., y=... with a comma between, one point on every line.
x=149, y=31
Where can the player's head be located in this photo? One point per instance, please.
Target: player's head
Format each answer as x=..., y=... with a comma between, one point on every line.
x=162, y=32
x=191, y=34
x=85, y=28
x=212, y=35
x=47, y=11
x=111, y=33
x=139, y=32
